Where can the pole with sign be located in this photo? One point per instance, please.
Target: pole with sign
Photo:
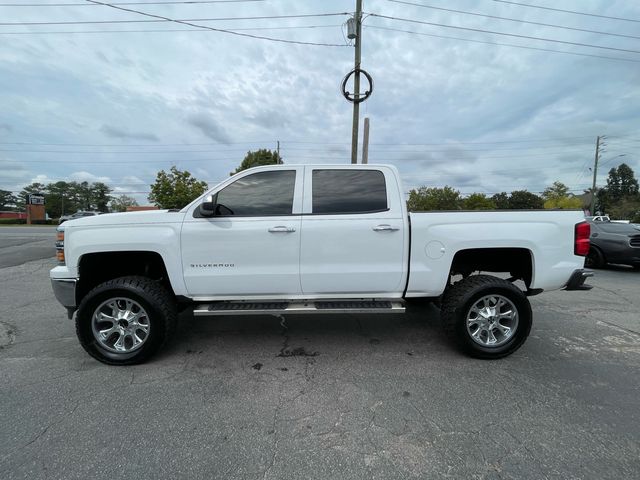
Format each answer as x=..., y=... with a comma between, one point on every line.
x=35, y=208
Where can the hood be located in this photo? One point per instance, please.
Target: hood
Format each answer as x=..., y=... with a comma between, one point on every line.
x=126, y=218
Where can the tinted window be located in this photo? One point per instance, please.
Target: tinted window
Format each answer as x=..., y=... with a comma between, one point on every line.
x=348, y=191
x=264, y=193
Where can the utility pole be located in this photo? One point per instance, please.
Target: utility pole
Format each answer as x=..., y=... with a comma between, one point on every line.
x=595, y=174
x=278, y=150
x=356, y=83
x=365, y=141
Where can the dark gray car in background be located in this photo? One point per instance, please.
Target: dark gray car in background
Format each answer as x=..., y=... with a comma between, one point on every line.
x=613, y=242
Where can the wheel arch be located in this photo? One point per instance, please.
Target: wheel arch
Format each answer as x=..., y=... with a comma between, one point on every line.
x=518, y=262
x=98, y=267
x=599, y=249
x=599, y=263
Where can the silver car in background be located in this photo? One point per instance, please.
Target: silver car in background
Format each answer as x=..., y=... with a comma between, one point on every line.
x=80, y=214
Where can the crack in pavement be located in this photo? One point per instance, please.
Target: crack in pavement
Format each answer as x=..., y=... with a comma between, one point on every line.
x=44, y=431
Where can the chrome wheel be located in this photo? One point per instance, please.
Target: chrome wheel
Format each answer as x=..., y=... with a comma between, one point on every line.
x=492, y=320
x=120, y=325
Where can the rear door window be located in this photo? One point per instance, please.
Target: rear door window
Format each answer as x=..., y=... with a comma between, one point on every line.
x=348, y=191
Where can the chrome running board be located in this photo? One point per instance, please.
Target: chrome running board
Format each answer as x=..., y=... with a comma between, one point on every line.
x=301, y=307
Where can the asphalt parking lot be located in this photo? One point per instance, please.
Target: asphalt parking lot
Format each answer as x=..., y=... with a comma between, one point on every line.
x=344, y=397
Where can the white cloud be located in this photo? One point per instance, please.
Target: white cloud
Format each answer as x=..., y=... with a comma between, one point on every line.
x=169, y=91
x=133, y=180
x=88, y=177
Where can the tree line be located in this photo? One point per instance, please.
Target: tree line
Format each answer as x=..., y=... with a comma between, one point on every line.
x=620, y=198
x=173, y=189
x=64, y=198
x=447, y=198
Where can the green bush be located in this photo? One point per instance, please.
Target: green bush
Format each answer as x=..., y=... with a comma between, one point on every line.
x=23, y=221
x=12, y=221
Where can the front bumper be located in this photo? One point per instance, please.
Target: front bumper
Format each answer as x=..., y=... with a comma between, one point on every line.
x=65, y=291
x=576, y=281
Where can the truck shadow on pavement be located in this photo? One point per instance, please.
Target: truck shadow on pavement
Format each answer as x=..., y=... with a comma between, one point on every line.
x=311, y=335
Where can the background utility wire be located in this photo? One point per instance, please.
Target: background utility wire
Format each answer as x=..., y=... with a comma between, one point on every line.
x=248, y=35
x=528, y=5
x=182, y=2
x=528, y=37
x=495, y=17
x=502, y=44
x=160, y=19
x=49, y=32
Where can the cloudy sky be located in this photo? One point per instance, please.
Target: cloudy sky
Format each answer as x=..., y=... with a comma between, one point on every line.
x=116, y=102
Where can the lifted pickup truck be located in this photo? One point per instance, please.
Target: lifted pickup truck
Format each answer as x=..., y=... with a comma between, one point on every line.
x=291, y=239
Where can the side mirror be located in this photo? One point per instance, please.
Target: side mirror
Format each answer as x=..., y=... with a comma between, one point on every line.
x=208, y=206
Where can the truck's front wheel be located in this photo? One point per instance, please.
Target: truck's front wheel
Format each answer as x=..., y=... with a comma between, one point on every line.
x=486, y=316
x=125, y=320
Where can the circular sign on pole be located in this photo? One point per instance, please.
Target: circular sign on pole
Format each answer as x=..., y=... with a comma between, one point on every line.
x=352, y=97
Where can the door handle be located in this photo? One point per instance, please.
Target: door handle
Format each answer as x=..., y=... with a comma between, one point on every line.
x=385, y=227
x=282, y=229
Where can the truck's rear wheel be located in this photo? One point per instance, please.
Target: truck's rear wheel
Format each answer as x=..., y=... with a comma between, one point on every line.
x=486, y=316
x=126, y=320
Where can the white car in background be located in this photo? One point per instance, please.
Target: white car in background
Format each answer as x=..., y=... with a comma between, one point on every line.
x=76, y=215
x=605, y=218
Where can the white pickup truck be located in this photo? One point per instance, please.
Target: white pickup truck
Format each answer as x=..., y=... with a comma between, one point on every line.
x=297, y=239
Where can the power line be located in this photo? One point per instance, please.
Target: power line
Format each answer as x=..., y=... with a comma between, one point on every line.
x=120, y=152
x=453, y=150
x=536, y=139
x=161, y=19
x=139, y=144
x=293, y=27
x=456, y=148
x=528, y=5
x=528, y=37
x=295, y=142
x=565, y=148
x=495, y=17
x=374, y=157
x=623, y=138
x=247, y=35
x=504, y=44
x=124, y=3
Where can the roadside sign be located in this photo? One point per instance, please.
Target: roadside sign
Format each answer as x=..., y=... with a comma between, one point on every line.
x=36, y=199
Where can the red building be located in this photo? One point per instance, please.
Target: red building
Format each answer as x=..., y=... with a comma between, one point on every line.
x=18, y=215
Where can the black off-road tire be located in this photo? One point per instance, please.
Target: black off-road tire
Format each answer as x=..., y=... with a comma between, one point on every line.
x=151, y=295
x=595, y=258
x=457, y=302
